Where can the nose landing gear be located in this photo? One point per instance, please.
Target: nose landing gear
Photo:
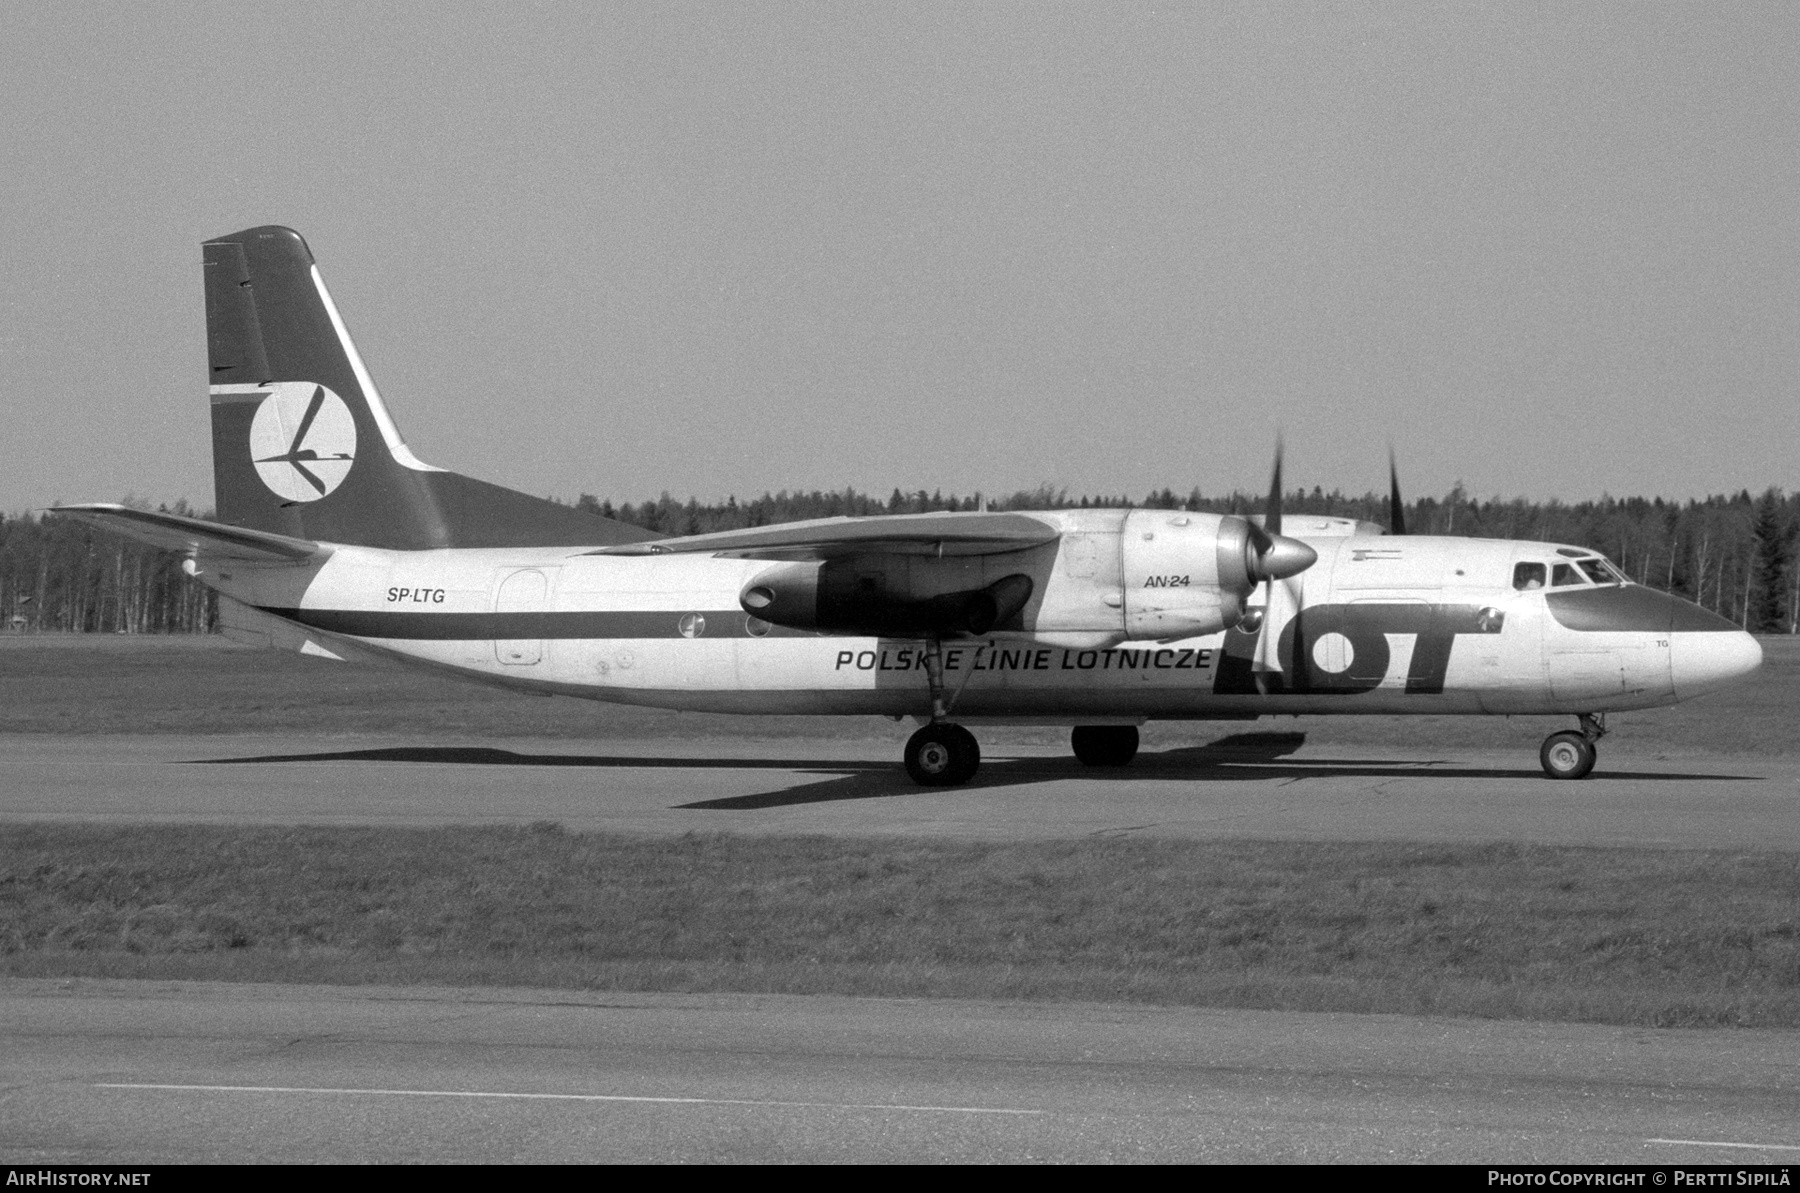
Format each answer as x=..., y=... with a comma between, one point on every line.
x=1571, y=755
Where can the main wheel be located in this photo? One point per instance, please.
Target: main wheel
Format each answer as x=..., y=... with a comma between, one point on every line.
x=1104, y=745
x=1567, y=756
x=942, y=755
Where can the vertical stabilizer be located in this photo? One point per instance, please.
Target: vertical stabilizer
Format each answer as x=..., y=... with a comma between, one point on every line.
x=304, y=446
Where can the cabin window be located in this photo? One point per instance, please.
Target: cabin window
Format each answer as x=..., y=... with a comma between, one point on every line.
x=1565, y=575
x=1527, y=576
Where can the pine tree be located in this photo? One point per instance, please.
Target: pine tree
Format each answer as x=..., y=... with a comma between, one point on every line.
x=1767, y=613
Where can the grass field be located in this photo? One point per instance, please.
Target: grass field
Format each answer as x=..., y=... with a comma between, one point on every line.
x=1664, y=938
x=86, y=684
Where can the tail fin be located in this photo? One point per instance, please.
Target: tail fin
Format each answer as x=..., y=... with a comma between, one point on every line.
x=304, y=447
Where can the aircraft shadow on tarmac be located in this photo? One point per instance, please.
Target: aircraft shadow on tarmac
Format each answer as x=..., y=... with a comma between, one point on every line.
x=1239, y=757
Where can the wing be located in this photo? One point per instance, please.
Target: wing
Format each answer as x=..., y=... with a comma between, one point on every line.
x=827, y=538
x=172, y=532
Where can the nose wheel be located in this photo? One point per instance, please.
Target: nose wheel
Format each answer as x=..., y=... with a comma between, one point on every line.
x=942, y=755
x=1570, y=754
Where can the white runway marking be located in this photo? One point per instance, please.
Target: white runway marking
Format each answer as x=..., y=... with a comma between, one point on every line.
x=459, y=1093
x=1767, y=1147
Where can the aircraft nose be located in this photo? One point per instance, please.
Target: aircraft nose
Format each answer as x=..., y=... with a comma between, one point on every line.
x=1704, y=662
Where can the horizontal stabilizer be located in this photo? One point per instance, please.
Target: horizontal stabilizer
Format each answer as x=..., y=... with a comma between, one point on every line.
x=823, y=538
x=172, y=532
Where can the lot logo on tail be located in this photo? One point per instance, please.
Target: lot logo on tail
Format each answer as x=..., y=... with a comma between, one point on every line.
x=303, y=440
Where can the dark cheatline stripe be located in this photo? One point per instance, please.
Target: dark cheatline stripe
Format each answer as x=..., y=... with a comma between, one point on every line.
x=1632, y=608
x=464, y=627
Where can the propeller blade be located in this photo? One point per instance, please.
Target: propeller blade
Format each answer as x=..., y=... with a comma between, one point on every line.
x=1272, y=514
x=1280, y=603
x=1278, y=560
x=1260, y=540
x=1277, y=557
x=1396, y=507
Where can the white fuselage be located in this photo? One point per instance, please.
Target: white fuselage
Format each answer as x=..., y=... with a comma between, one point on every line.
x=1383, y=625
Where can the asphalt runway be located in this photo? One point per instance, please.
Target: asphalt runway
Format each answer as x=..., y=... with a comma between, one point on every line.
x=1259, y=785
x=159, y=1073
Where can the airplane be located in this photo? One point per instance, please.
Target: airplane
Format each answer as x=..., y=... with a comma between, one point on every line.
x=334, y=540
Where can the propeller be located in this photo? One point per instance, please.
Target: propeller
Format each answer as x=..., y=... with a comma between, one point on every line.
x=1278, y=560
x=1277, y=557
x=1396, y=507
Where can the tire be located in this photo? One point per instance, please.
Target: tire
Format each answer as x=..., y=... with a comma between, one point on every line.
x=942, y=755
x=1104, y=745
x=1567, y=756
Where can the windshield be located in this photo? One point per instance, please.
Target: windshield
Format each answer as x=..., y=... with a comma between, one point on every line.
x=1601, y=571
x=1583, y=571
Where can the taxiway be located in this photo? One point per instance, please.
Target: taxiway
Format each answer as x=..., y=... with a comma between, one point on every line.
x=1258, y=785
x=158, y=1073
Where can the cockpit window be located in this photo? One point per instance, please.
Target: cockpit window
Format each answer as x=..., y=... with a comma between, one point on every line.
x=1527, y=576
x=1565, y=575
x=1601, y=571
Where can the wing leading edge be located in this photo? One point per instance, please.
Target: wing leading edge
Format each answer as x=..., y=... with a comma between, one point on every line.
x=824, y=538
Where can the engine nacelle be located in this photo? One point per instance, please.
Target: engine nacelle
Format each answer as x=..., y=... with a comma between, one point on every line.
x=1114, y=575
x=1184, y=574
x=785, y=595
x=897, y=596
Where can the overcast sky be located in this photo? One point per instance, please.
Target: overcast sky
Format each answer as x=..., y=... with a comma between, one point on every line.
x=722, y=248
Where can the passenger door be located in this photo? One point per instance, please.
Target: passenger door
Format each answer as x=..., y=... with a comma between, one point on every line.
x=525, y=591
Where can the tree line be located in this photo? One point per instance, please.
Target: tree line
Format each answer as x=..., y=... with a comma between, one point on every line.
x=56, y=574
x=1733, y=554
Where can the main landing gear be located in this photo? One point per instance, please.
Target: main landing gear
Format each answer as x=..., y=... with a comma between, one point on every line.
x=1571, y=755
x=941, y=754
x=1104, y=745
